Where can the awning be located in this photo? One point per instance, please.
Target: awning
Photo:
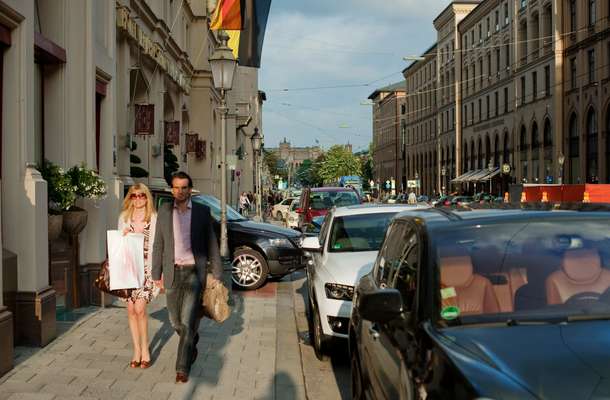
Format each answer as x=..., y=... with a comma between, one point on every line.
x=490, y=175
x=464, y=176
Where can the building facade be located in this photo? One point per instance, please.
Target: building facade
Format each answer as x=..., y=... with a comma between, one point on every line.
x=521, y=91
x=389, y=134
x=122, y=86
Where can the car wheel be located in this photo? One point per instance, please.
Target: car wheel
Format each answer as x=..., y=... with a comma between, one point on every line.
x=357, y=382
x=249, y=269
x=319, y=339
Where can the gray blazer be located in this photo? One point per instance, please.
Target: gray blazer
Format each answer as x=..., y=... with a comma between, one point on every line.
x=203, y=243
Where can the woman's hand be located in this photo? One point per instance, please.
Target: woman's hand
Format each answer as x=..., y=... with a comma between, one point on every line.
x=127, y=230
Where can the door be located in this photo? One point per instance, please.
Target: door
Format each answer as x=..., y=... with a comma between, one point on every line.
x=386, y=342
x=319, y=257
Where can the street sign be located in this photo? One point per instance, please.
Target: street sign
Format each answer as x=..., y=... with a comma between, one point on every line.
x=413, y=183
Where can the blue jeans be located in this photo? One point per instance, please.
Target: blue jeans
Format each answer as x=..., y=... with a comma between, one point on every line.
x=183, y=305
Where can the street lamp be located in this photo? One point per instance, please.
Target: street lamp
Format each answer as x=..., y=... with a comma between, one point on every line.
x=443, y=173
x=257, y=139
x=561, y=159
x=223, y=66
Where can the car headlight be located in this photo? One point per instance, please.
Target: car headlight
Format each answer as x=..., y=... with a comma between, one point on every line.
x=339, y=292
x=280, y=242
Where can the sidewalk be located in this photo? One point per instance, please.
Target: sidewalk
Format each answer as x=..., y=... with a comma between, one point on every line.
x=253, y=355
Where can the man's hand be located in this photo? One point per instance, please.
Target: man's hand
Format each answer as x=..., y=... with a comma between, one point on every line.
x=159, y=284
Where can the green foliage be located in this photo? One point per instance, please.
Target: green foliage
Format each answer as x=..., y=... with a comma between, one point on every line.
x=338, y=161
x=134, y=146
x=274, y=164
x=60, y=193
x=366, y=161
x=86, y=183
x=170, y=163
x=138, y=172
x=134, y=159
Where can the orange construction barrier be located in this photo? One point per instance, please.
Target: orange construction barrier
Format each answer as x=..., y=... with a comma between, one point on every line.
x=545, y=198
x=523, y=197
x=506, y=199
x=586, y=198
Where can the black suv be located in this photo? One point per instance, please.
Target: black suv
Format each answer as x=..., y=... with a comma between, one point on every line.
x=258, y=250
x=485, y=303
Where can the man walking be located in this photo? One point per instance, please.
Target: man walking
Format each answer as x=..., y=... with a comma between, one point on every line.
x=184, y=251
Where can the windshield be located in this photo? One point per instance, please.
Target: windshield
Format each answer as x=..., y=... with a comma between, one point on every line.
x=326, y=200
x=358, y=232
x=543, y=270
x=214, y=205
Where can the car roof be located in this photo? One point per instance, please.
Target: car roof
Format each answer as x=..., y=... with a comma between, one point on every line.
x=445, y=218
x=362, y=209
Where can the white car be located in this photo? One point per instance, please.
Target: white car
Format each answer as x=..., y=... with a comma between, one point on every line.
x=279, y=210
x=292, y=217
x=343, y=252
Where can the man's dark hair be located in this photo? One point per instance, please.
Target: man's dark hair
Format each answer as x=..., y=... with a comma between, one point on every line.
x=182, y=175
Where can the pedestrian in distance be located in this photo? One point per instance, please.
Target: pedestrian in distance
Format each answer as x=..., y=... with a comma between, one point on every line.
x=244, y=204
x=412, y=199
x=138, y=216
x=185, y=250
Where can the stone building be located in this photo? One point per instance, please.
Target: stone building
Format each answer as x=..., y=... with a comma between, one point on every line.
x=389, y=134
x=110, y=84
x=294, y=156
x=530, y=90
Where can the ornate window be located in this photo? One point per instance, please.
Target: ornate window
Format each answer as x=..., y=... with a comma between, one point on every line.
x=592, y=170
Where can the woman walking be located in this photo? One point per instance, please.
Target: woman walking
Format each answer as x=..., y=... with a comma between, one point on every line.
x=139, y=216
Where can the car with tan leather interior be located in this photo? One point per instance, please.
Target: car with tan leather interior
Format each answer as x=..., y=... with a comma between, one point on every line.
x=486, y=303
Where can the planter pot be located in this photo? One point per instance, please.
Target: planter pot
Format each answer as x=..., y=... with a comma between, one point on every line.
x=55, y=226
x=75, y=221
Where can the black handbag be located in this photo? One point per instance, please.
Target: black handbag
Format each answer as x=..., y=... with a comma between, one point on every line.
x=102, y=282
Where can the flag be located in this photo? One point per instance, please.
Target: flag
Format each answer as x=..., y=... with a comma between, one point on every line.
x=255, y=15
x=227, y=15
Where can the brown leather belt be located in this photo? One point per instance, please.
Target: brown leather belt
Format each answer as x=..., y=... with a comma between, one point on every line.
x=184, y=266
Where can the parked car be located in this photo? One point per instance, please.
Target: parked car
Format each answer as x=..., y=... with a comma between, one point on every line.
x=280, y=210
x=292, y=217
x=344, y=251
x=460, y=201
x=497, y=304
x=258, y=250
x=316, y=202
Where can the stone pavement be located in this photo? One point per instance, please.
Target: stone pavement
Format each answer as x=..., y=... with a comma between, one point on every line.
x=253, y=355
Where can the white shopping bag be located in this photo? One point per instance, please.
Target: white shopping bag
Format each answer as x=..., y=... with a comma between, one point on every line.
x=125, y=260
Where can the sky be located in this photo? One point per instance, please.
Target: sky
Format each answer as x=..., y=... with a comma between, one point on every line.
x=321, y=60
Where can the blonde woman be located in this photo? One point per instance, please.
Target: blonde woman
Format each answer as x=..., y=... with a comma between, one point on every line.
x=139, y=216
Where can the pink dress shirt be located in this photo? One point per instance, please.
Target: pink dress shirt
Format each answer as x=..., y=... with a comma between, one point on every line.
x=183, y=252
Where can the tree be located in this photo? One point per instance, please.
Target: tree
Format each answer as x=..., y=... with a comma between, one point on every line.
x=338, y=161
x=274, y=164
x=170, y=163
x=366, y=161
x=304, y=174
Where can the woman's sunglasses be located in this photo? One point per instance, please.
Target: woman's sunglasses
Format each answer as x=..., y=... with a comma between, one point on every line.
x=137, y=196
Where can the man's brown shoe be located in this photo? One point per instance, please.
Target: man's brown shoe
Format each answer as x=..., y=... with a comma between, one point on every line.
x=181, y=377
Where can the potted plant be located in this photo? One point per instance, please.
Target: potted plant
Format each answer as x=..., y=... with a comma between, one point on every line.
x=60, y=194
x=87, y=184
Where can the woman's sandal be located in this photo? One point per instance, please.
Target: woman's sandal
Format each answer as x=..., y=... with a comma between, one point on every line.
x=134, y=364
x=145, y=364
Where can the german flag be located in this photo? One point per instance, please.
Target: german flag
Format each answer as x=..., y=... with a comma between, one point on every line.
x=227, y=15
x=245, y=22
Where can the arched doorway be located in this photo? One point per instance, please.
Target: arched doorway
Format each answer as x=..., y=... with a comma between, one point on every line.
x=535, y=153
x=573, y=151
x=547, y=142
x=591, y=161
x=523, y=153
x=480, y=154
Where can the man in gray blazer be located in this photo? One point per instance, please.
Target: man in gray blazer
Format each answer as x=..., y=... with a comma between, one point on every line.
x=184, y=251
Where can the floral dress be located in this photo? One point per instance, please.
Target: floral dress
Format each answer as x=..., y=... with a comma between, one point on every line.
x=149, y=291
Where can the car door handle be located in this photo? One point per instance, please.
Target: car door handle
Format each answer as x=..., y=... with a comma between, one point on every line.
x=374, y=331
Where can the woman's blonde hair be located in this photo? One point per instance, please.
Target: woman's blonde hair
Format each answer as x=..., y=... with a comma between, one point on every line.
x=128, y=208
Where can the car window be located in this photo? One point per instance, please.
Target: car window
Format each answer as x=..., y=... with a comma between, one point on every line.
x=404, y=276
x=358, y=232
x=390, y=253
x=324, y=228
x=326, y=200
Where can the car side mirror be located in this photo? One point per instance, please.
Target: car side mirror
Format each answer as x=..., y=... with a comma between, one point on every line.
x=381, y=306
x=312, y=244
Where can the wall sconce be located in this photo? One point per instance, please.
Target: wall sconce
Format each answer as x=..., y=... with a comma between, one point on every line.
x=156, y=150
